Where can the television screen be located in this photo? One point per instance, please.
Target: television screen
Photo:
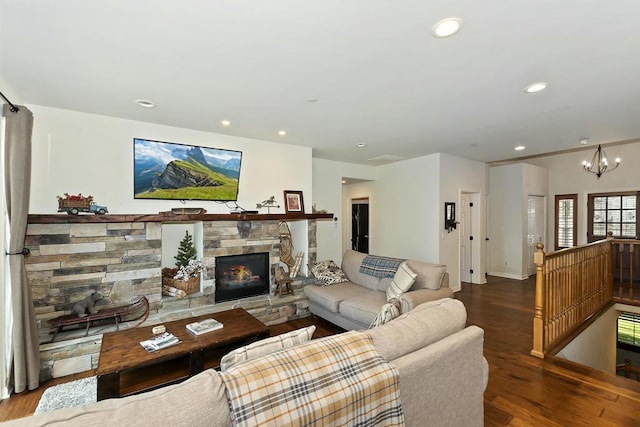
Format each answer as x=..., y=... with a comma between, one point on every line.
x=170, y=171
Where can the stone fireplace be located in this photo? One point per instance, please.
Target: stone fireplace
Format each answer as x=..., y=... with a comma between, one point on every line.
x=241, y=276
x=120, y=256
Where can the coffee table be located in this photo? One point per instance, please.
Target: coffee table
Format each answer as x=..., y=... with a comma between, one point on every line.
x=125, y=368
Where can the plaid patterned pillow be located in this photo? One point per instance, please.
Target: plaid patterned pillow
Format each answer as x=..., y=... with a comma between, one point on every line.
x=328, y=273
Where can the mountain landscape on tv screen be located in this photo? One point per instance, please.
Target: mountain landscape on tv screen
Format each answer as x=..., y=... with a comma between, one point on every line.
x=165, y=170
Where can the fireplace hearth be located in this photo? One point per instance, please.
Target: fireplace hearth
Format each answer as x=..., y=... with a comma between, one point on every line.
x=241, y=276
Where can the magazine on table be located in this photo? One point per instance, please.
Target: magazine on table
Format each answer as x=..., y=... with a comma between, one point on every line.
x=158, y=342
x=203, y=326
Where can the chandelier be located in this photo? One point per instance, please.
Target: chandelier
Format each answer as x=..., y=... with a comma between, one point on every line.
x=599, y=163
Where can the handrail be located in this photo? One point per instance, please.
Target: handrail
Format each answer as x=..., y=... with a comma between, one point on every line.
x=571, y=285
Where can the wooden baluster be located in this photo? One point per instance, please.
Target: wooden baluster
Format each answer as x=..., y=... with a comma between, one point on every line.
x=620, y=253
x=631, y=252
x=538, y=324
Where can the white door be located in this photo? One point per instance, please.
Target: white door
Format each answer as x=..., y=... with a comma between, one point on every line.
x=466, y=251
x=535, y=228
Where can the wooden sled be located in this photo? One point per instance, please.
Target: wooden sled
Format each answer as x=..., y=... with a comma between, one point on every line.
x=139, y=308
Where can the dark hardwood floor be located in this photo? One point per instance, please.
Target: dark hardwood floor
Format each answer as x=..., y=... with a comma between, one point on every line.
x=522, y=390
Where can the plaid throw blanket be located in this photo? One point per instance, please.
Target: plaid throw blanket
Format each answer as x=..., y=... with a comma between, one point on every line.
x=380, y=266
x=334, y=381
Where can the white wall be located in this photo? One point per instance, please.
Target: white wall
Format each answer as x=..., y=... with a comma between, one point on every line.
x=596, y=345
x=509, y=187
x=566, y=176
x=457, y=176
x=506, y=220
x=407, y=209
x=84, y=153
x=327, y=193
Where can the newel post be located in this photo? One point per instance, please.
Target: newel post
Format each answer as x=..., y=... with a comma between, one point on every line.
x=609, y=267
x=538, y=321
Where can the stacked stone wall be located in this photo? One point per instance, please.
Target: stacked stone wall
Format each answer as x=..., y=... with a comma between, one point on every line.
x=122, y=261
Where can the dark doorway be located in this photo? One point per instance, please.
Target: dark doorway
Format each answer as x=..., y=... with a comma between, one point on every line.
x=360, y=225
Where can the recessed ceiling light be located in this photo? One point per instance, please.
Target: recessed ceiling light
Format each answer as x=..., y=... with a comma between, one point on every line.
x=344, y=181
x=446, y=27
x=282, y=132
x=145, y=103
x=361, y=145
x=312, y=100
x=519, y=148
x=225, y=123
x=584, y=141
x=536, y=87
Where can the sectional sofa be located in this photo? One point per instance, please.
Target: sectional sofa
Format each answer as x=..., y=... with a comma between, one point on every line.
x=439, y=361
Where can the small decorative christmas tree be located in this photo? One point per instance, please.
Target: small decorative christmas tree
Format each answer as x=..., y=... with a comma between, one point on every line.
x=186, y=251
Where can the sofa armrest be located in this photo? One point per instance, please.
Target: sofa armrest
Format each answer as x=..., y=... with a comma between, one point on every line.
x=412, y=299
x=443, y=384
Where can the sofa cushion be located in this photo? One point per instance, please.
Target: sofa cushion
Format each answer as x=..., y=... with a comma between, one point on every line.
x=330, y=297
x=364, y=307
x=327, y=272
x=200, y=400
x=402, y=281
x=351, y=261
x=429, y=276
x=424, y=325
x=266, y=346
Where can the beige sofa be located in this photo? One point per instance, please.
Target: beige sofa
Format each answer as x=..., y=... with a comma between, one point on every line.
x=354, y=304
x=442, y=378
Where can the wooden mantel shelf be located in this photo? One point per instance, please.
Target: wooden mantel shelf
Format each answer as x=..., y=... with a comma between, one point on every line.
x=90, y=218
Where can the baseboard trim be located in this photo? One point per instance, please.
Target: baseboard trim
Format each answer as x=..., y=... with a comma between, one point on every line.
x=508, y=276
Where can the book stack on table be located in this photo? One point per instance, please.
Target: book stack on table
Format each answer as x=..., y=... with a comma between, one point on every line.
x=203, y=326
x=158, y=342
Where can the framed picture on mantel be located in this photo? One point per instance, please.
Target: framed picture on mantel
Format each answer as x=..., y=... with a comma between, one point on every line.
x=293, y=201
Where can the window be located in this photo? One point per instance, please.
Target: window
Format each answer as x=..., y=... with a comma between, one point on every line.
x=615, y=212
x=566, y=220
x=629, y=331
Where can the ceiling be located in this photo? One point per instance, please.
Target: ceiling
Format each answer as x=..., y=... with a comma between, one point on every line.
x=376, y=73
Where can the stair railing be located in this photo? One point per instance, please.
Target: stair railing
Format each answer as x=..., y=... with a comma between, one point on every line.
x=571, y=286
x=626, y=267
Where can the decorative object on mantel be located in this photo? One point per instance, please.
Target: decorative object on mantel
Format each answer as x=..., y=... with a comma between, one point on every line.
x=314, y=209
x=599, y=163
x=186, y=277
x=73, y=205
x=293, y=201
x=269, y=203
x=188, y=211
x=286, y=244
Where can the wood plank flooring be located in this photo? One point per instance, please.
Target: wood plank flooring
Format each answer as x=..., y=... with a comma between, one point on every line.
x=522, y=390
x=526, y=391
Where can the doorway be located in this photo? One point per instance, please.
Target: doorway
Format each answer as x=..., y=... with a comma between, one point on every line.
x=360, y=225
x=470, y=230
x=466, y=237
x=535, y=228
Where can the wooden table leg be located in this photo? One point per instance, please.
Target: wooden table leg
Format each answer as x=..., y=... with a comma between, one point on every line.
x=108, y=386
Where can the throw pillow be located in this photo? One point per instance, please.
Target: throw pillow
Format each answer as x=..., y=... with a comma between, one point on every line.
x=266, y=346
x=328, y=273
x=402, y=281
x=388, y=312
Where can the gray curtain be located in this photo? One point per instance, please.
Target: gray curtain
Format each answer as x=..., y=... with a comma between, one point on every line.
x=17, y=176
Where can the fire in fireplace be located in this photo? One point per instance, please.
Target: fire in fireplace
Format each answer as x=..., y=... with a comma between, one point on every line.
x=241, y=276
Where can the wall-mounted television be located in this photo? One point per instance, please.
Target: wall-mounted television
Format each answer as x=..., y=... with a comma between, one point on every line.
x=172, y=171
